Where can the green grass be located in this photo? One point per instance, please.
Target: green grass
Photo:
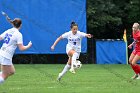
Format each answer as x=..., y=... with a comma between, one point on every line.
x=89, y=79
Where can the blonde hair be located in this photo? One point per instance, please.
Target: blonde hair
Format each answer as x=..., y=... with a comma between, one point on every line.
x=137, y=25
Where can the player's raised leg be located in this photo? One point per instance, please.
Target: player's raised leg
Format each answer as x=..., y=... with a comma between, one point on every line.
x=74, y=56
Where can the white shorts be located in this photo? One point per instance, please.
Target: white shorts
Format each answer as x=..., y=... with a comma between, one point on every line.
x=5, y=61
x=68, y=49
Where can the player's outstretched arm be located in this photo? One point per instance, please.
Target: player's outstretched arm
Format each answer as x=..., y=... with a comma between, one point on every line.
x=55, y=43
x=22, y=47
x=88, y=35
x=7, y=17
x=130, y=46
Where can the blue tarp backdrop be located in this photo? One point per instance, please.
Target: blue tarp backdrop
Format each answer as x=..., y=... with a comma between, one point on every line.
x=44, y=21
x=110, y=52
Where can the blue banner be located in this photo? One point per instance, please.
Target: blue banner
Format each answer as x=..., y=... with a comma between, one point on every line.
x=110, y=52
x=44, y=21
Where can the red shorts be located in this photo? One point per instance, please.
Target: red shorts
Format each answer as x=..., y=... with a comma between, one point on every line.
x=135, y=52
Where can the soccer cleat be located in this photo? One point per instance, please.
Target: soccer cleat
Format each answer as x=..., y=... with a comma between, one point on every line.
x=138, y=77
x=72, y=71
x=59, y=77
x=135, y=76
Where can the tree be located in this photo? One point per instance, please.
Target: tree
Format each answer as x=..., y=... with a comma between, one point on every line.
x=109, y=18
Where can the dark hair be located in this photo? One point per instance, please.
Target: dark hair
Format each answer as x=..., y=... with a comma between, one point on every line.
x=73, y=24
x=17, y=22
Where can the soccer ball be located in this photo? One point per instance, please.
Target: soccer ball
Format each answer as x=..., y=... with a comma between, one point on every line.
x=77, y=64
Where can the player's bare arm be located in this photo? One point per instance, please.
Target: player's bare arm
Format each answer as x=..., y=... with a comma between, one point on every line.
x=55, y=43
x=130, y=46
x=22, y=47
x=88, y=35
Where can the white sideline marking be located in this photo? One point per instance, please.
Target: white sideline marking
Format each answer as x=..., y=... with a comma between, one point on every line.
x=51, y=87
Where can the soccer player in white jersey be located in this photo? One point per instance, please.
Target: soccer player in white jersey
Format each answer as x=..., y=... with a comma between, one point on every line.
x=12, y=39
x=73, y=47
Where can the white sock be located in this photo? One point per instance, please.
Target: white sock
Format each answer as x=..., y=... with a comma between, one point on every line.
x=66, y=68
x=74, y=57
x=1, y=79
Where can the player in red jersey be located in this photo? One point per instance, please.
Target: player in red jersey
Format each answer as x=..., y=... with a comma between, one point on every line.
x=135, y=55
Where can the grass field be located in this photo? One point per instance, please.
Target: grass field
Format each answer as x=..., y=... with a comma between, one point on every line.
x=89, y=79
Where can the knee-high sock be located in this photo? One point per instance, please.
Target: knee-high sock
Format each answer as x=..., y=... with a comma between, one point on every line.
x=134, y=68
x=74, y=57
x=137, y=68
x=66, y=68
x=1, y=78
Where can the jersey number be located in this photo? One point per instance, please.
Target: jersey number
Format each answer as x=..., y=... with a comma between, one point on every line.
x=7, y=38
x=74, y=43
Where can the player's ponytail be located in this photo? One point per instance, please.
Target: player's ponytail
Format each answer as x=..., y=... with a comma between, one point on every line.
x=17, y=22
x=73, y=24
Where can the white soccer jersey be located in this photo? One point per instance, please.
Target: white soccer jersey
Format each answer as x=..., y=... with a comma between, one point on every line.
x=74, y=41
x=11, y=38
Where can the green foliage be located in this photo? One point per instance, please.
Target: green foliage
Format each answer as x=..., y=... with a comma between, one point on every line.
x=109, y=18
x=133, y=10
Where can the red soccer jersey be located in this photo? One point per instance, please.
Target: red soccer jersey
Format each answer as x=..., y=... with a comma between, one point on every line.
x=136, y=37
